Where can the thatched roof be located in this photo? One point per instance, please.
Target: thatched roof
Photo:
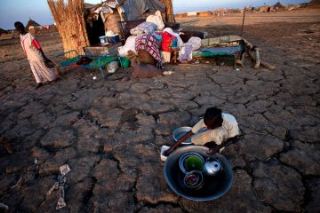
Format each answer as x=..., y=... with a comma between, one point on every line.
x=205, y=13
x=278, y=5
x=264, y=9
x=2, y=31
x=315, y=2
x=32, y=23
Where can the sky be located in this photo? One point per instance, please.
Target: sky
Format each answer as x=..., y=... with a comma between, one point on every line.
x=38, y=10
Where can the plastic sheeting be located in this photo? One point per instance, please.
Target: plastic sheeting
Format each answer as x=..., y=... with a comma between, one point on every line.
x=144, y=28
x=217, y=51
x=195, y=42
x=156, y=19
x=136, y=8
x=129, y=45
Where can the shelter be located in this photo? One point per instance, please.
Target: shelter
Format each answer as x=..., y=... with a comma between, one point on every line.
x=80, y=25
x=194, y=13
x=32, y=24
x=264, y=9
x=136, y=9
x=181, y=15
x=2, y=31
x=278, y=6
x=205, y=14
x=314, y=3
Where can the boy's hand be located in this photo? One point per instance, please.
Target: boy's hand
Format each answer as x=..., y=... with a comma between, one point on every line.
x=174, y=146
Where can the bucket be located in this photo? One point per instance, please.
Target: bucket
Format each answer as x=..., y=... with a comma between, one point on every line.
x=103, y=40
x=112, y=67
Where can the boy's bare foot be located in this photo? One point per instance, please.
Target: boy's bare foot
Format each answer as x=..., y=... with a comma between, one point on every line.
x=38, y=85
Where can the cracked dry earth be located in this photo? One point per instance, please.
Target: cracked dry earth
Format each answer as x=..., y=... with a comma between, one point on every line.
x=110, y=131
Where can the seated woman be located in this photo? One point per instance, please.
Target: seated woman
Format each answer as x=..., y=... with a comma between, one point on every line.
x=147, y=63
x=142, y=70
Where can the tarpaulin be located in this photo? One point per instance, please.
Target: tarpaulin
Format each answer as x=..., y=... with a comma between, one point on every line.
x=135, y=9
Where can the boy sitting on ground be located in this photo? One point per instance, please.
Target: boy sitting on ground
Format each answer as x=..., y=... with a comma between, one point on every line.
x=216, y=127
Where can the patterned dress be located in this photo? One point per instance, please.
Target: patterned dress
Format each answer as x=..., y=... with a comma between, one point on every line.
x=150, y=44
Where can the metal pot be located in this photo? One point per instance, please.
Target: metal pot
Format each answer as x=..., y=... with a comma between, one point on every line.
x=212, y=167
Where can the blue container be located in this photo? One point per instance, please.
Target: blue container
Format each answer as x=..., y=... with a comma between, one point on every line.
x=103, y=40
x=113, y=39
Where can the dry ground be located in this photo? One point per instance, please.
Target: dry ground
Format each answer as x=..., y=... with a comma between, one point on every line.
x=110, y=131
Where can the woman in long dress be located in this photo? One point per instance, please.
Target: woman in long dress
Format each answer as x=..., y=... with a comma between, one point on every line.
x=42, y=68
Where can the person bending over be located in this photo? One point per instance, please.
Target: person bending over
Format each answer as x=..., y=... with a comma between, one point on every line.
x=216, y=126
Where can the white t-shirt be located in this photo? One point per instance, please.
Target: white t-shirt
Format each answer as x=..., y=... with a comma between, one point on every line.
x=229, y=129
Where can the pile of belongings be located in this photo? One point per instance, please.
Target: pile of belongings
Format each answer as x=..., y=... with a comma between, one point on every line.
x=156, y=44
x=159, y=42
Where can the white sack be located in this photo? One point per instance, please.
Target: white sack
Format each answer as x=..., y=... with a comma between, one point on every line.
x=129, y=45
x=195, y=42
x=156, y=19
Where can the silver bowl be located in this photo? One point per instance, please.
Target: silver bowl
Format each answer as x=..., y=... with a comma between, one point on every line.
x=193, y=180
x=181, y=131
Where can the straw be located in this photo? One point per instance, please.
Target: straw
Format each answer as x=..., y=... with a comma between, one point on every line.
x=69, y=18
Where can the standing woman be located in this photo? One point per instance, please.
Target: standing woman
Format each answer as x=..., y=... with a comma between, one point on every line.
x=42, y=68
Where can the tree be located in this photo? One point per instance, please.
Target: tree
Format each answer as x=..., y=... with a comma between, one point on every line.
x=169, y=11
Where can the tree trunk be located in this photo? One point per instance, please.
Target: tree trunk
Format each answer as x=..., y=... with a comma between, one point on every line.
x=70, y=23
x=169, y=11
